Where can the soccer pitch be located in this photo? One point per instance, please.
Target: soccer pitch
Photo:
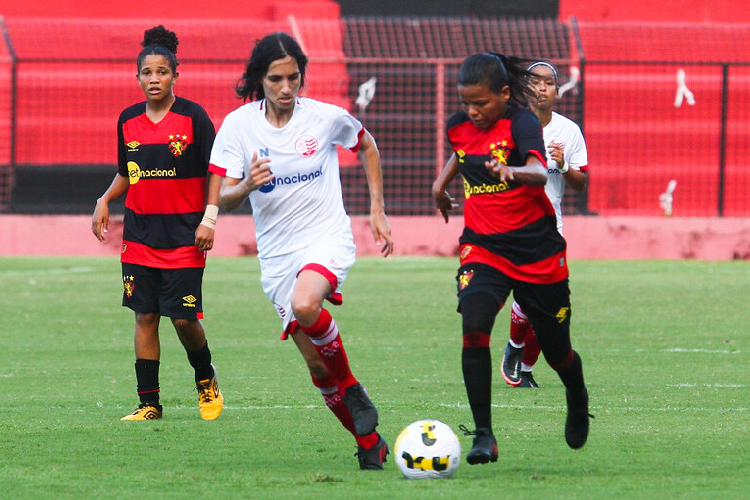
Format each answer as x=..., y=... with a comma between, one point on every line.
x=664, y=344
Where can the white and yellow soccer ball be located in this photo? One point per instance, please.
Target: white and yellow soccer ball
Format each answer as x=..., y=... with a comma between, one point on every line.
x=427, y=449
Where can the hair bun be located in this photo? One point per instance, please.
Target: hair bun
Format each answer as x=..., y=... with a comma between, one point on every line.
x=159, y=35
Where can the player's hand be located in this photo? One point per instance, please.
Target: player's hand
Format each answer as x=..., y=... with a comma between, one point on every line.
x=100, y=220
x=502, y=172
x=444, y=203
x=204, y=237
x=260, y=173
x=381, y=230
x=556, y=151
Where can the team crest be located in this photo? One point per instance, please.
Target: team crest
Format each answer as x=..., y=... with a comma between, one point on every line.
x=465, y=251
x=177, y=144
x=127, y=282
x=464, y=279
x=306, y=146
x=499, y=151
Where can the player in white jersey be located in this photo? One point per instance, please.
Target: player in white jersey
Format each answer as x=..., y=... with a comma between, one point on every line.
x=567, y=165
x=279, y=150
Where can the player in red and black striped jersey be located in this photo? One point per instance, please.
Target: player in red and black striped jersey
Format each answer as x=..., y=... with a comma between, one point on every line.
x=164, y=146
x=510, y=241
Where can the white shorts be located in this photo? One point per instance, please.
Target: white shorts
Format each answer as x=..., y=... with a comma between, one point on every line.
x=332, y=257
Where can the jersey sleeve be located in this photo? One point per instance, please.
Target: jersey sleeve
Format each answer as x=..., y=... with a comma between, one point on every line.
x=227, y=158
x=122, y=167
x=575, y=155
x=346, y=130
x=527, y=132
x=204, y=134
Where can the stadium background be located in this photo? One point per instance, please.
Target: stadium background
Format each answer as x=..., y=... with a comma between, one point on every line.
x=66, y=71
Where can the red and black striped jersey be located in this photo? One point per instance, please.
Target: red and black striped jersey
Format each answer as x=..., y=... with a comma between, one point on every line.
x=507, y=225
x=167, y=164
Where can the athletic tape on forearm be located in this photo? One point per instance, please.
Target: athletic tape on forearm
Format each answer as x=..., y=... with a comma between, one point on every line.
x=209, y=217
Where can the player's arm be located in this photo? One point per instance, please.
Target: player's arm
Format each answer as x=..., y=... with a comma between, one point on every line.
x=100, y=220
x=204, y=233
x=444, y=202
x=234, y=191
x=370, y=156
x=576, y=179
x=533, y=173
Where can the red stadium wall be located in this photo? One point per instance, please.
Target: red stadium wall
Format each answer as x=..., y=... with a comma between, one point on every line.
x=729, y=11
x=588, y=237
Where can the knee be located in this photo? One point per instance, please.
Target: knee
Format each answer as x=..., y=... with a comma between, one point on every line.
x=184, y=326
x=145, y=320
x=306, y=310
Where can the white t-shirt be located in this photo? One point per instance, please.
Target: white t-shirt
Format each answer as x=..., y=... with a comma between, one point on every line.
x=304, y=202
x=566, y=131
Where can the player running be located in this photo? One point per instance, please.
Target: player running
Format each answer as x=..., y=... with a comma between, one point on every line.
x=510, y=241
x=162, y=156
x=567, y=164
x=279, y=150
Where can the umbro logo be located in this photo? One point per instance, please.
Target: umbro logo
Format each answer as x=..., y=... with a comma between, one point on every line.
x=189, y=301
x=133, y=145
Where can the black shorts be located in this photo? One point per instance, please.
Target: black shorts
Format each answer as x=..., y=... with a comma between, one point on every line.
x=546, y=305
x=175, y=293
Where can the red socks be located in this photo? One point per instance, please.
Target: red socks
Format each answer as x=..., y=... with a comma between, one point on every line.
x=325, y=336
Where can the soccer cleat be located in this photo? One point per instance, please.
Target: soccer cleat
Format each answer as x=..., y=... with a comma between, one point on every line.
x=373, y=458
x=364, y=413
x=210, y=399
x=484, y=447
x=577, y=421
x=144, y=412
x=527, y=380
x=511, y=365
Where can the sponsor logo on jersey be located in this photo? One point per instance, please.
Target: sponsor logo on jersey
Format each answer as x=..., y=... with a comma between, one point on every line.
x=189, y=301
x=470, y=190
x=290, y=179
x=135, y=173
x=127, y=282
x=177, y=144
x=306, y=146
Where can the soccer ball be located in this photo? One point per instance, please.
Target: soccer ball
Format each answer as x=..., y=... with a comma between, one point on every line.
x=427, y=449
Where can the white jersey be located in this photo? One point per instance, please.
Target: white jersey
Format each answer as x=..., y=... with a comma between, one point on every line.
x=304, y=202
x=564, y=130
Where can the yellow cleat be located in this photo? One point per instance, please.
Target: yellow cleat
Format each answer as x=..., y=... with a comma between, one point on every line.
x=144, y=412
x=210, y=399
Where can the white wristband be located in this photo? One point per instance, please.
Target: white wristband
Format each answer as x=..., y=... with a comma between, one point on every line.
x=564, y=169
x=210, y=215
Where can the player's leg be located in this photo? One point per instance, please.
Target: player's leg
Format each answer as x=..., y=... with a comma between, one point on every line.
x=548, y=307
x=514, y=350
x=141, y=295
x=182, y=301
x=481, y=292
x=531, y=353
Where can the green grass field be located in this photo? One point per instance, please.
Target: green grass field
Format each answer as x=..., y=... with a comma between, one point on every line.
x=665, y=349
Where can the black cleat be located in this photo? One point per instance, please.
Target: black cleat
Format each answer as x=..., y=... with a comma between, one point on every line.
x=527, y=380
x=511, y=365
x=484, y=447
x=364, y=413
x=577, y=421
x=373, y=458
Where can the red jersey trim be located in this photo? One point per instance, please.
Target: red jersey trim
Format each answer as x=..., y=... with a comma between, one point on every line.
x=539, y=155
x=334, y=297
x=546, y=271
x=359, y=141
x=215, y=169
x=162, y=258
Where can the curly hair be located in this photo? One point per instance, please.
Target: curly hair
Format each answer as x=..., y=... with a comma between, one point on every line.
x=267, y=50
x=496, y=71
x=159, y=41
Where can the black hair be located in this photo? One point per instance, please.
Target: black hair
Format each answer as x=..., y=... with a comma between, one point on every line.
x=496, y=71
x=159, y=41
x=267, y=50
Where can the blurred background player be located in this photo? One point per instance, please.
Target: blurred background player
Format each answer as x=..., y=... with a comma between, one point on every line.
x=164, y=145
x=510, y=240
x=279, y=150
x=567, y=164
